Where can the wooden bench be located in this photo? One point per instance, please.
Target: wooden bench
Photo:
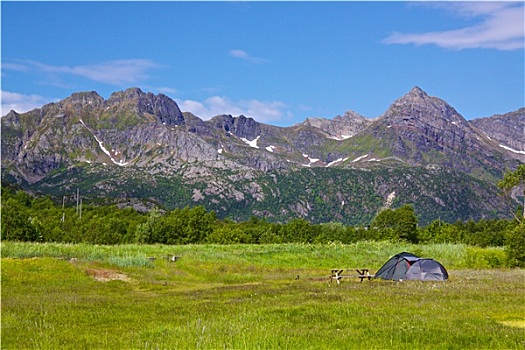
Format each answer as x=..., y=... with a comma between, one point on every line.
x=339, y=274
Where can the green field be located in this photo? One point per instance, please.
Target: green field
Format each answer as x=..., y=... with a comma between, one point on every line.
x=59, y=296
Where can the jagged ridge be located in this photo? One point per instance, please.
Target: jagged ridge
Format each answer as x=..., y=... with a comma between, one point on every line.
x=147, y=136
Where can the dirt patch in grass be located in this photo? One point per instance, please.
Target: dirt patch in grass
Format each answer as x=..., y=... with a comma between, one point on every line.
x=515, y=323
x=104, y=275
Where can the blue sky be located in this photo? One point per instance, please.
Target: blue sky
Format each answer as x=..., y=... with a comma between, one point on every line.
x=278, y=62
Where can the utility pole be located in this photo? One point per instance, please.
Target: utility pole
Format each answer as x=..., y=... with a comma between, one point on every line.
x=77, y=199
x=63, y=211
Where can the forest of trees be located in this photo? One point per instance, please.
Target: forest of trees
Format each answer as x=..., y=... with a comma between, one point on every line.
x=39, y=219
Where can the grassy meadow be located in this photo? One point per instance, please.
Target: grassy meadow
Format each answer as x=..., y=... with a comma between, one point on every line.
x=60, y=296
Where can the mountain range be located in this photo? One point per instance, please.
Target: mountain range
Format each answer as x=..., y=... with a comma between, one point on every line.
x=139, y=149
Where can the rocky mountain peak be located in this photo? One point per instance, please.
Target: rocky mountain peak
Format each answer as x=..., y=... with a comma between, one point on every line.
x=160, y=106
x=508, y=130
x=419, y=127
x=418, y=98
x=163, y=107
x=79, y=101
x=83, y=98
x=340, y=127
x=247, y=127
x=352, y=116
x=130, y=94
x=416, y=91
x=418, y=105
x=11, y=114
x=240, y=126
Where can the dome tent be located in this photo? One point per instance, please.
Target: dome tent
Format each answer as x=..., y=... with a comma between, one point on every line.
x=427, y=270
x=396, y=267
x=409, y=266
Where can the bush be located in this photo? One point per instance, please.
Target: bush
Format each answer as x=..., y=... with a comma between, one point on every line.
x=397, y=224
x=229, y=235
x=476, y=257
x=17, y=225
x=515, y=246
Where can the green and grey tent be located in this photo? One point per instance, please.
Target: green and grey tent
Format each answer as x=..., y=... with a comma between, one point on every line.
x=411, y=267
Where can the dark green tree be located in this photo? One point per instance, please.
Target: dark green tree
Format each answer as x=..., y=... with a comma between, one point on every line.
x=229, y=234
x=16, y=222
x=199, y=224
x=297, y=231
x=148, y=232
x=334, y=232
x=515, y=246
x=398, y=223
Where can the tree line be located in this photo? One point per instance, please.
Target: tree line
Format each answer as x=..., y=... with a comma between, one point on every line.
x=39, y=219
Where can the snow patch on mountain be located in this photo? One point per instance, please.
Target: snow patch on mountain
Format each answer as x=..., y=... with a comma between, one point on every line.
x=359, y=158
x=511, y=149
x=340, y=137
x=310, y=160
x=104, y=149
x=252, y=143
x=339, y=160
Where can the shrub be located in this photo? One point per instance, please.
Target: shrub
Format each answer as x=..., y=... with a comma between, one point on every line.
x=397, y=224
x=17, y=225
x=515, y=246
x=476, y=257
x=229, y=235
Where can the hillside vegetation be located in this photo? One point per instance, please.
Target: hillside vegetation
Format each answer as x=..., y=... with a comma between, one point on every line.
x=39, y=219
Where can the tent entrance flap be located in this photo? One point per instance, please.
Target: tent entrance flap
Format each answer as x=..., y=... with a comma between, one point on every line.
x=400, y=269
x=396, y=267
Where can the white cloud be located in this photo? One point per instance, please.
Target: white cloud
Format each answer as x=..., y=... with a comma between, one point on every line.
x=166, y=90
x=14, y=66
x=21, y=103
x=262, y=111
x=239, y=54
x=117, y=72
x=243, y=55
x=501, y=28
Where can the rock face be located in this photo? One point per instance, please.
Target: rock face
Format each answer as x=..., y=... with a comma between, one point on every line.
x=134, y=144
x=507, y=130
x=242, y=127
x=160, y=106
x=129, y=128
x=341, y=127
x=143, y=129
x=425, y=130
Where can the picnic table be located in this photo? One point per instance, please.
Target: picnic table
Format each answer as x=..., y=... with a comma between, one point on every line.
x=339, y=274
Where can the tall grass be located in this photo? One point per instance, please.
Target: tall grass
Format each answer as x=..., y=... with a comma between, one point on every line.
x=121, y=256
x=361, y=254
